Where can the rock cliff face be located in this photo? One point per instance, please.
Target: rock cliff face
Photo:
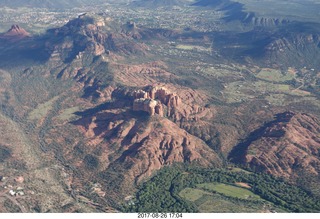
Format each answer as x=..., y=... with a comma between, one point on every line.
x=287, y=146
x=179, y=104
x=154, y=100
x=146, y=105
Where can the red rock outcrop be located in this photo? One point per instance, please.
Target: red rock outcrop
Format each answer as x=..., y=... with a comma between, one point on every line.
x=16, y=30
x=144, y=145
x=154, y=99
x=289, y=146
x=170, y=104
x=145, y=104
x=15, y=33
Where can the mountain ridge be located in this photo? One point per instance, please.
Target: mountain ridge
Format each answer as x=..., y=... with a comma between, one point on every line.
x=283, y=147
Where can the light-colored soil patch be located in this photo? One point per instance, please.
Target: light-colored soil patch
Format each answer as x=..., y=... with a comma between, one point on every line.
x=42, y=110
x=68, y=114
x=192, y=47
x=244, y=185
x=237, y=169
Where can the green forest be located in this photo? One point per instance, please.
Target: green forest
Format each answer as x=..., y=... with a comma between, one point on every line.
x=162, y=193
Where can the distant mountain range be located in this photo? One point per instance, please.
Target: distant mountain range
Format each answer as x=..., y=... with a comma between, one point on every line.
x=160, y=3
x=47, y=3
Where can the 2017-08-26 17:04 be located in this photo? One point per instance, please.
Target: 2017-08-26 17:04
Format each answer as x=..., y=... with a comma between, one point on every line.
x=160, y=215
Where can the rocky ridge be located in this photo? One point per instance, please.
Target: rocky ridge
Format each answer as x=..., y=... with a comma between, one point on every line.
x=285, y=147
x=136, y=144
x=283, y=48
x=90, y=35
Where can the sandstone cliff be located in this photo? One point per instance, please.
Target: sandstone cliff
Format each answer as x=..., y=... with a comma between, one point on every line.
x=154, y=100
x=180, y=104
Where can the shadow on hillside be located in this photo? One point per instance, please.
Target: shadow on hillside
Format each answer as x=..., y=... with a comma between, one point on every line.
x=238, y=153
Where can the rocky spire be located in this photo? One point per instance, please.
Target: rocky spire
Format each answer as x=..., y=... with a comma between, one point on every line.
x=16, y=32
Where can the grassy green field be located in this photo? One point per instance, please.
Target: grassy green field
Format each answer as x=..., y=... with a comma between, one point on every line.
x=223, y=71
x=229, y=190
x=192, y=194
x=217, y=203
x=276, y=93
x=219, y=198
x=271, y=87
x=274, y=75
